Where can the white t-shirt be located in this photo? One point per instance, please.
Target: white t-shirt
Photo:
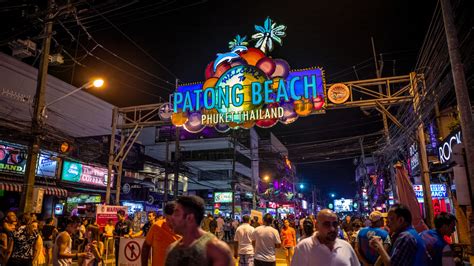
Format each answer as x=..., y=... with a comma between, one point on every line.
x=310, y=252
x=220, y=224
x=243, y=235
x=265, y=237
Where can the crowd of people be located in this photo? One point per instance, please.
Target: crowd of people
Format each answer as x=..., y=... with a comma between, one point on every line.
x=184, y=235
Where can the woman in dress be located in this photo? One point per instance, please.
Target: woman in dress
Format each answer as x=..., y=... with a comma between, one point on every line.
x=93, y=247
x=26, y=243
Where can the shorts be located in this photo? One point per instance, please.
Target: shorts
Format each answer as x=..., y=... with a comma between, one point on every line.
x=289, y=248
x=264, y=263
x=48, y=244
x=245, y=259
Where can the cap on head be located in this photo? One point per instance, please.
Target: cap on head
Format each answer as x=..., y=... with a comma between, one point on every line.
x=375, y=216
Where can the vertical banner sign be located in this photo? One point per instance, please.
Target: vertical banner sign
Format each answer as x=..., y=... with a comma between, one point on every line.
x=130, y=251
x=106, y=212
x=38, y=194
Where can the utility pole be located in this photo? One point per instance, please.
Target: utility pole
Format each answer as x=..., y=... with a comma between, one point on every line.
x=37, y=123
x=425, y=171
x=110, y=166
x=462, y=97
x=378, y=72
x=176, y=159
x=233, y=181
x=166, y=181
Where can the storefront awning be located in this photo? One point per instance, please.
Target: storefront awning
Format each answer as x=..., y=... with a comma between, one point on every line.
x=10, y=187
x=15, y=187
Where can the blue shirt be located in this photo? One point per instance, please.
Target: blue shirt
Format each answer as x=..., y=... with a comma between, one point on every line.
x=434, y=244
x=408, y=249
x=363, y=239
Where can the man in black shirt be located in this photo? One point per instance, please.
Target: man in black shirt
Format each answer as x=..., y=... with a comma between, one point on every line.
x=123, y=228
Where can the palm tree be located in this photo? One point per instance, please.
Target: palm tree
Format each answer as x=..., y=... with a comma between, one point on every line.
x=267, y=34
x=238, y=41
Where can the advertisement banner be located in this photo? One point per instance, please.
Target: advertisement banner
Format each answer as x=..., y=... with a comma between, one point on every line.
x=106, y=212
x=86, y=174
x=12, y=159
x=223, y=197
x=130, y=251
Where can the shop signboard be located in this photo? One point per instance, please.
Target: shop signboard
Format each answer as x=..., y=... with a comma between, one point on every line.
x=414, y=159
x=445, y=149
x=85, y=174
x=12, y=159
x=246, y=86
x=106, y=212
x=84, y=198
x=437, y=191
x=223, y=197
x=46, y=167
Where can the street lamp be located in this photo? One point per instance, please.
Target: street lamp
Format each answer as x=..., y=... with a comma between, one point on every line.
x=93, y=83
x=266, y=178
x=301, y=186
x=332, y=195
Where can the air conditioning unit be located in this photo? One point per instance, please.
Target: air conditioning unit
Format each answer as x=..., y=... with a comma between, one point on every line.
x=22, y=48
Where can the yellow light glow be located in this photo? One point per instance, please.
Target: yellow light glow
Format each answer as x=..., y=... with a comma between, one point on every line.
x=266, y=178
x=98, y=83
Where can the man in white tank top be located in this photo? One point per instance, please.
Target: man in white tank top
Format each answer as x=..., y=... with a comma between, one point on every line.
x=62, y=255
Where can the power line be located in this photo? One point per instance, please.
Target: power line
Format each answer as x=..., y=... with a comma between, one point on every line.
x=136, y=45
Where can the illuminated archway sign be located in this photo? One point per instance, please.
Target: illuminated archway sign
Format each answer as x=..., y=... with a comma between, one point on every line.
x=245, y=87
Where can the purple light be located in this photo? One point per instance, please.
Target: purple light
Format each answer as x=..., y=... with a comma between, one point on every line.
x=433, y=140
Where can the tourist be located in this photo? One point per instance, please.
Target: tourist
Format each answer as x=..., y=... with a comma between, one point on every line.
x=109, y=236
x=123, y=228
x=49, y=233
x=197, y=246
x=62, y=255
x=93, y=247
x=243, y=248
x=27, y=243
x=408, y=247
x=436, y=245
x=324, y=247
x=366, y=253
x=288, y=240
x=159, y=238
x=307, y=228
x=266, y=240
x=220, y=227
x=8, y=226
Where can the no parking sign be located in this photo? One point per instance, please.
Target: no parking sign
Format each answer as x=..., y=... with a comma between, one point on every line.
x=130, y=251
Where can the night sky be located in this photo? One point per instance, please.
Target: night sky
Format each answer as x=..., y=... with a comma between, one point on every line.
x=184, y=36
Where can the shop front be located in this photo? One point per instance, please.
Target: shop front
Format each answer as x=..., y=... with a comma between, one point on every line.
x=223, y=203
x=439, y=195
x=86, y=185
x=12, y=170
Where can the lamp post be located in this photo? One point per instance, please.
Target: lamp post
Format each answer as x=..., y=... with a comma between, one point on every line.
x=94, y=83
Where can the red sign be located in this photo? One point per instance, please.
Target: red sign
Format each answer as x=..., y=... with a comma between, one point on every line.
x=132, y=251
x=106, y=212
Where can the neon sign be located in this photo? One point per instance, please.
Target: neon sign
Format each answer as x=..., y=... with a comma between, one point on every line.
x=437, y=190
x=445, y=150
x=246, y=87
